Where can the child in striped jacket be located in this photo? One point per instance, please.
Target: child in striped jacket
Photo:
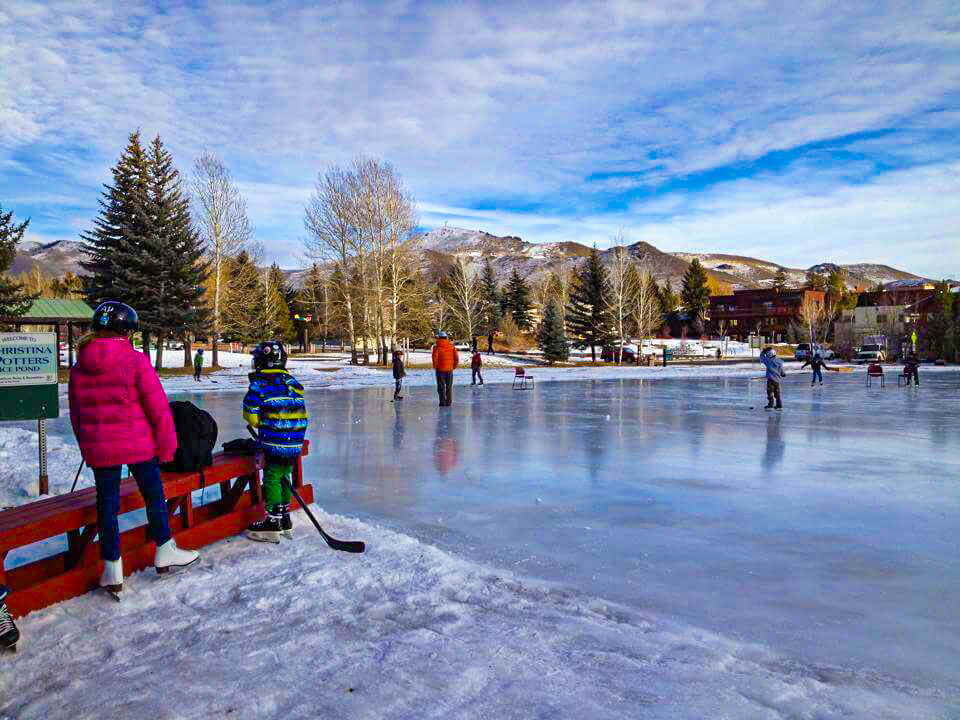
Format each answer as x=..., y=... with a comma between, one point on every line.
x=274, y=406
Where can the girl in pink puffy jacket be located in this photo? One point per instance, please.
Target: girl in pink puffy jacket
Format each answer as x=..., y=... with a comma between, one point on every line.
x=120, y=416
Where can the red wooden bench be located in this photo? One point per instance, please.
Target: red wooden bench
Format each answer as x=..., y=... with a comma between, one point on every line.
x=77, y=570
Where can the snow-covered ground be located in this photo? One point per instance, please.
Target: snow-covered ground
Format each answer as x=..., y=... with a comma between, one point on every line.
x=403, y=631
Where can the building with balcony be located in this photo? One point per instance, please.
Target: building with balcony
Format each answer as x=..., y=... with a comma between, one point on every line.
x=766, y=312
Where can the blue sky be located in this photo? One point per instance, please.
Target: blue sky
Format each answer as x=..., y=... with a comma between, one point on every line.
x=796, y=132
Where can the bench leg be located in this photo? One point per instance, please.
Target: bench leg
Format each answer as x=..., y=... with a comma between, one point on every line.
x=77, y=542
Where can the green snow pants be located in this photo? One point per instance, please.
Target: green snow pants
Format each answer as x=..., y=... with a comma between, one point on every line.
x=275, y=491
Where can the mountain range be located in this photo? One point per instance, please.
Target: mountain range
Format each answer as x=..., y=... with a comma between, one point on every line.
x=534, y=260
x=730, y=271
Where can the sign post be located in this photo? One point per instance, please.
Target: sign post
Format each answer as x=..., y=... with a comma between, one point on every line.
x=28, y=385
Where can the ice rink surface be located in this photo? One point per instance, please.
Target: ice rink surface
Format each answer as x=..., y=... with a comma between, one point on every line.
x=828, y=531
x=588, y=549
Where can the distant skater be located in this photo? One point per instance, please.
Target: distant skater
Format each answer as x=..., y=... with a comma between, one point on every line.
x=198, y=365
x=818, y=365
x=399, y=372
x=911, y=368
x=490, y=344
x=775, y=372
x=445, y=361
x=476, y=363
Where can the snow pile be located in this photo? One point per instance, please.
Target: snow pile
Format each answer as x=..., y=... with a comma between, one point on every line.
x=403, y=631
x=19, y=458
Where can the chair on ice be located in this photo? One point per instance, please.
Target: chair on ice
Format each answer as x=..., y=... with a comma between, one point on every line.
x=875, y=371
x=520, y=379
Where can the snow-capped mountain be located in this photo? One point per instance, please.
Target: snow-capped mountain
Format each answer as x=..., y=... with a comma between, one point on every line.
x=751, y=272
x=532, y=260
x=56, y=258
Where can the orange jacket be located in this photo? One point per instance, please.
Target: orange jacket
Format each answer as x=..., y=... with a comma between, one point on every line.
x=445, y=356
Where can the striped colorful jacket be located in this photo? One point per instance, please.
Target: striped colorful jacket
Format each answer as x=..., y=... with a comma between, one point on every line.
x=274, y=404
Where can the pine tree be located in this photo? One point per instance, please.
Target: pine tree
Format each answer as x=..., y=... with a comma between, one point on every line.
x=695, y=293
x=816, y=281
x=490, y=299
x=518, y=300
x=241, y=299
x=937, y=334
x=274, y=312
x=169, y=266
x=668, y=299
x=14, y=299
x=587, y=318
x=780, y=280
x=551, y=337
x=113, y=250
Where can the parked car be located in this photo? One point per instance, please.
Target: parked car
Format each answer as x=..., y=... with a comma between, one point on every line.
x=871, y=353
x=802, y=352
x=609, y=354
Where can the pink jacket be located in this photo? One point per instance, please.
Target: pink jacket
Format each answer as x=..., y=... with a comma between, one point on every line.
x=118, y=408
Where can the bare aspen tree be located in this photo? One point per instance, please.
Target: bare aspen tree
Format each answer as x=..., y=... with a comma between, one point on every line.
x=402, y=256
x=464, y=298
x=329, y=223
x=646, y=315
x=621, y=295
x=815, y=319
x=221, y=216
x=386, y=212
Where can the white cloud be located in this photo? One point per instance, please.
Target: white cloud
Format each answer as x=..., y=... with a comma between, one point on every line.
x=906, y=219
x=477, y=101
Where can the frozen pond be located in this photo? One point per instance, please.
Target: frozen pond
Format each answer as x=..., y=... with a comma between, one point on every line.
x=828, y=531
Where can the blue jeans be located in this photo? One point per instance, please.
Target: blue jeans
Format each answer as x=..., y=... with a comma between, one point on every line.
x=108, y=504
x=817, y=374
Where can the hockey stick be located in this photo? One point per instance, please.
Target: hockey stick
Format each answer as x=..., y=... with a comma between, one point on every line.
x=74, y=487
x=350, y=546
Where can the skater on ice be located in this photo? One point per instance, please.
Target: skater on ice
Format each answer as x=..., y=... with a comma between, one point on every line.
x=399, y=372
x=445, y=361
x=274, y=406
x=911, y=368
x=476, y=364
x=817, y=364
x=775, y=373
x=198, y=365
x=120, y=416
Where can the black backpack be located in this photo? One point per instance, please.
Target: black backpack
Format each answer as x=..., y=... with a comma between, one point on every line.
x=196, y=438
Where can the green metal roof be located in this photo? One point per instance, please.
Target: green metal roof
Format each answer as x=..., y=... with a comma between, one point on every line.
x=59, y=309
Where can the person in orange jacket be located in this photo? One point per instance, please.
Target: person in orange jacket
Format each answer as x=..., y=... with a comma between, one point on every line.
x=445, y=361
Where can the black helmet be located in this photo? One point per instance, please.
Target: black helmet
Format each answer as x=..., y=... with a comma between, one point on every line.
x=269, y=354
x=116, y=316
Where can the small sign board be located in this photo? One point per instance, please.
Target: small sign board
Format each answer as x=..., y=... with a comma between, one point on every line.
x=28, y=376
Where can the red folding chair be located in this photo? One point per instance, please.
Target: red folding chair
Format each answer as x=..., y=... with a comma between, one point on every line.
x=520, y=379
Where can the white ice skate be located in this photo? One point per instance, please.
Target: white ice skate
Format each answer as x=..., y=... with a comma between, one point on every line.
x=111, y=579
x=170, y=557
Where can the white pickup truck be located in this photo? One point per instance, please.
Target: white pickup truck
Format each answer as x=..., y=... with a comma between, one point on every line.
x=871, y=353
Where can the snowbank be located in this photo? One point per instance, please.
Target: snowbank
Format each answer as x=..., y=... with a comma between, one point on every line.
x=403, y=631
x=20, y=471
